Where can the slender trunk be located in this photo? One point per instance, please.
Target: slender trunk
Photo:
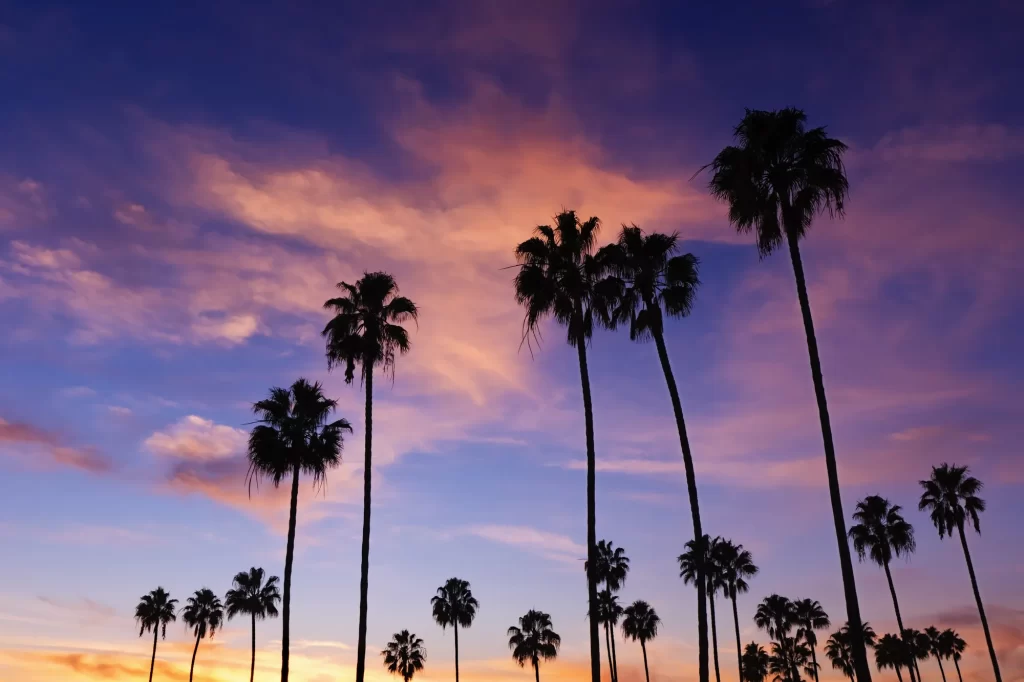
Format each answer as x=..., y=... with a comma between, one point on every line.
x=536, y=670
x=898, y=676
x=364, y=571
x=814, y=661
x=860, y=658
x=941, y=669
x=896, y=606
x=981, y=608
x=289, y=555
x=456, y=628
x=714, y=635
x=588, y=413
x=736, y=620
x=152, y=661
x=691, y=488
x=615, y=655
x=194, y=652
x=958, y=675
x=608, y=649
x=252, y=666
x=647, y=673
x=917, y=669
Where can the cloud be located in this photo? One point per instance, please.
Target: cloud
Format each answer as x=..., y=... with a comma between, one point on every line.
x=22, y=202
x=196, y=438
x=27, y=440
x=951, y=144
x=549, y=545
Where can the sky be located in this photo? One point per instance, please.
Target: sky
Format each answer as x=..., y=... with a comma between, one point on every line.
x=182, y=185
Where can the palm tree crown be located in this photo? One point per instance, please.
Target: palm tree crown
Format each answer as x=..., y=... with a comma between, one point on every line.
x=154, y=611
x=533, y=639
x=755, y=663
x=454, y=604
x=953, y=645
x=251, y=596
x=951, y=497
x=404, y=655
x=839, y=647
x=705, y=550
x=736, y=565
x=608, y=609
x=809, y=616
x=640, y=622
x=203, y=613
x=611, y=566
x=891, y=652
x=775, y=615
x=881, y=531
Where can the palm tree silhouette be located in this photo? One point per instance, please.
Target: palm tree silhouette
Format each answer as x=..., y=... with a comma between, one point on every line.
x=891, y=652
x=839, y=648
x=789, y=656
x=533, y=639
x=810, y=616
x=293, y=436
x=953, y=647
x=776, y=615
x=951, y=495
x=703, y=556
x=936, y=646
x=737, y=564
x=559, y=276
x=153, y=612
x=755, y=663
x=611, y=568
x=203, y=614
x=249, y=595
x=881, y=532
x=918, y=648
x=776, y=181
x=366, y=331
x=608, y=614
x=404, y=655
x=454, y=605
x=653, y=282
x=641, y=624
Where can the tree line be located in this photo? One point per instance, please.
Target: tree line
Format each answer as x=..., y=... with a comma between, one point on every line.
x=775, y=180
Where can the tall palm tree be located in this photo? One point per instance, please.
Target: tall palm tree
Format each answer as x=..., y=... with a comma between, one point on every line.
x=881, y=532
x=533, y=639
x=153, y=612
x=610, y=569
x=251, y=596
x=839, y=647
x=455, y=605
x=918, y=648
x=641, y=624
x=737, y=564
x=810, y=616
x=953, y=647
x=936, y=646
x=366, y=332
x=776, y=180
x=891, y=652
x=755, y=663
x=608, y=614
x=293, y=436
x=654, y=282
x=560, y=276
x=951, y=495
x=703, y=556
x=404, y=655
x=203, y=614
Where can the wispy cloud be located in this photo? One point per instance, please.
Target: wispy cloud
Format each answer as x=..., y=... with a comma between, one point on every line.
x=20, y=438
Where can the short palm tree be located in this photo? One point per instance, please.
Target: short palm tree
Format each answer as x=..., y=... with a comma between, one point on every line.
x=918, y=648
x=293, y=436
x=533, y=640
x=366, y=332
x=839, y=649
x=610, y=569
x=936, y=646
x=608, y=614
x=404, y=655
x=251, y=596
x=703, y=557
x=891, y=652
x=640, y=624
x=654, y=281
x=951, y=496
x=881, y=532
x=776, y=180
x=153, y=612
x=455, y=605
x=789, y=656
x=810, y=616
x=203, y=614
x=776, y=615
x=953, y=646
x=737, y=564
x=755, y=663
x=560, y=276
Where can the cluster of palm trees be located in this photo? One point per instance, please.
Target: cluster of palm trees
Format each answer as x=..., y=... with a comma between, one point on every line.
x=776, y=179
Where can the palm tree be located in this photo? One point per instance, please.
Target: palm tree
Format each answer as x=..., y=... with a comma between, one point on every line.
x=251, y=596
x=737, y=564
x=611, y=568
x=404, y=655
x=533, y=639
x=366, y=331
x=936, y=646
x=203, y=613
x=789, y=656
x=559, y=276
x=891, y=652
x=454, y=605
x=293, y=436
x=153, y=612
x=655, y=282
x=776, y=181
x=881, y=532
x=953, y=647
x=810, y=616
x=918, y=648
x=839, y=647
x=608, y=614
x=641, y=624
x=703, y=556
x=951, y=495
x=755, y=663
x=776, y=615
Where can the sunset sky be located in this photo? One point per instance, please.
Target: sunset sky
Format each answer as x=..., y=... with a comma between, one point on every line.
x=181, y=189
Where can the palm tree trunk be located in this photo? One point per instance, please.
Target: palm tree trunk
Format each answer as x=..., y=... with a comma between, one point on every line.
x=917, y=669
x=941, y=669
x=588, y=413
x=981, y=607
x=286, y=593
x=691, y=488
x=896, y=606
x=647, y=673
x=536, y=670
x=252, y=666
x=456, y=628
x=608, y=649
x=152, y=661
x=714, y=635
x=615, y=656
x=898, y=676
x=860, y=658
x=958, y=675
x=364, y=571
x=194, y=652
x=739, y=647
x=814, y=663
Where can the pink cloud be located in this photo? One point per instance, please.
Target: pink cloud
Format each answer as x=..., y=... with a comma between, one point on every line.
x=25, y=440
x=195, y=438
